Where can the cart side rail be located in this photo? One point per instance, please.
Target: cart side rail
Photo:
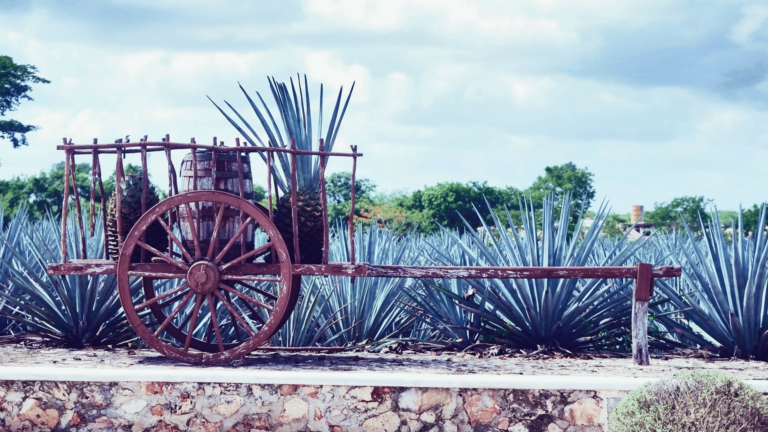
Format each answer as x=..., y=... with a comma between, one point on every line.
x=144, y=146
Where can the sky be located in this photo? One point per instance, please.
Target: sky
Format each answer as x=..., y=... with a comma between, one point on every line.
x=659, y=99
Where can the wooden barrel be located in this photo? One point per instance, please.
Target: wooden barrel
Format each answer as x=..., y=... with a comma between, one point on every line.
x=636, y=214
x=227, y=171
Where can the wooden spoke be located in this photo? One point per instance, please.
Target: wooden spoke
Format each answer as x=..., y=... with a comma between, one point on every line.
x=250, y=278
x=209, y=332
x=245, y=297
x=156, y=275
x=170, y=301
x=216, y=226
x=261, y=250
x=258, y=290
x=192, y=322
x=234, y=238
x=176, y=240
x=233, y=313
x=162, y=296
x=173, y=308
x=165, y=257
x=175, y=312
x=193, y=228
x=215, y=322
x=254, y=313
x=186, y=320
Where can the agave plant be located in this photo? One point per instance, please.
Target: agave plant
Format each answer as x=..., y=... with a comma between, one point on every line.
x=371, y=308
x=448, y=321
x=569, y=313
x=309, y=321
x=722, y=293
x=11, y=231
x=296, y=115
x=335, y=311
x=73, y=310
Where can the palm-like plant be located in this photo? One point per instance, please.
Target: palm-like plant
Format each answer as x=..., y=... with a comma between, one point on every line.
x=723, y=290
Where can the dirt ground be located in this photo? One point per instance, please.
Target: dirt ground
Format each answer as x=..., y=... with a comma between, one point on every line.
x=405, y=362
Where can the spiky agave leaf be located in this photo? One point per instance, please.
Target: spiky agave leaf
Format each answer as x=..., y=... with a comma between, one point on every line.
x=296, y=115
x=723, y=289
x=333, y=311
x=74, y=310
x=569, y=313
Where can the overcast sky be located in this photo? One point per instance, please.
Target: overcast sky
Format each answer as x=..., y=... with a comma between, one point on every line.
x=658, y=99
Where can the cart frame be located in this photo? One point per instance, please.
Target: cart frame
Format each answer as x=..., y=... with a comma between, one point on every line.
x=643, y=274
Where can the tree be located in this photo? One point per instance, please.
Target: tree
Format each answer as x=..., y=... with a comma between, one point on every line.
x=561, y=179
x=44, y=192
x=444, y=202
x=15, y=80
x=615, y=225
x=338, y=187
x=338, y=191
x=749, y=218
x=689, y=207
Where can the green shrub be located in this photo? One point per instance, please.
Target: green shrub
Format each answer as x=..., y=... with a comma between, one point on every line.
x=692, y=401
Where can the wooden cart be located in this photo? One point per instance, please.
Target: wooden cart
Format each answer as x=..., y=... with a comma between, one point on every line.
x=211, y=295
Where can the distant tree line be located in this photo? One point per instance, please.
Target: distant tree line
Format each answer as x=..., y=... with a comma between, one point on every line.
x=445, y=204
x=425, y=209
x=422, y=209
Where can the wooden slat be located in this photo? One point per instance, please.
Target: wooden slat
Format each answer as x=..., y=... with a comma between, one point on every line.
x=218, y=173
x=159, y=146
x=294, y=206
x=365, y=270
x=65, y=207
x=644, y=289
x=324, y=203
x=516, y=272
x=78, y=208
x=118, y=198
x=352, y=208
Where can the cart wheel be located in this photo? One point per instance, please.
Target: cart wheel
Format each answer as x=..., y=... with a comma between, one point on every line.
x=193, y=304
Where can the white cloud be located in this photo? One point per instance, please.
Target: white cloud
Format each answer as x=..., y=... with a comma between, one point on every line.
x=367, y=14
x=451, y=90
x=754, y=19
x=324, y=67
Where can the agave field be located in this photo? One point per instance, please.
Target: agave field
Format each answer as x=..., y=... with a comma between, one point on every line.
x=719, y=304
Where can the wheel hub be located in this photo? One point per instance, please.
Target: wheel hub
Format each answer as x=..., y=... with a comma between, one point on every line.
x=203, y=277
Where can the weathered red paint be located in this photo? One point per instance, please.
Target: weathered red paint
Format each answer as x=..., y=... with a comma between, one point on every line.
x=78, y=209
x=216, y=352
x=239, y=271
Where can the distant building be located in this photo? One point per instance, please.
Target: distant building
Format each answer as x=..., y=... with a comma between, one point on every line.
x=642, y=228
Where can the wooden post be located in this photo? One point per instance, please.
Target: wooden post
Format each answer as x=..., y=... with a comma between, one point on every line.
x=78, y=209
x=351, y=220
x=272, y=253
x=118, y=199
x=172, y=188
x=144, y=187
x=324, y=199
x=97, y=164
x=197, y=204
x=294, y=205
x=65, y=207
x=643, y=292
x=241, y=188
x=92, y=206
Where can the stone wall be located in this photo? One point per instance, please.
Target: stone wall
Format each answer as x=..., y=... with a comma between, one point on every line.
x=157, y=406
